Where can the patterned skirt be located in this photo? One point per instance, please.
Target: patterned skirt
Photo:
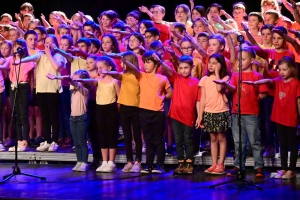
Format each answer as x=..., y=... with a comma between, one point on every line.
x=217, y=122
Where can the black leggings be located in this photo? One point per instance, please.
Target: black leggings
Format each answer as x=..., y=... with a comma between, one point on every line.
x=92, y=129
x=131, y=125
x=288, y=138
x=108, y=126
x=48, y=104
x=21, y=110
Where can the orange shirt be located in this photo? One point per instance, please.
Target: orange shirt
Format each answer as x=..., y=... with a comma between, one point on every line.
x=152, y=91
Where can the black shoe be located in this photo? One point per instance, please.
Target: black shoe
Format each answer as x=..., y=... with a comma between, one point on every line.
x=259, y=173
x=95, y=164
x=146, y=170
x=31, y=142
x=170, y=151
x=38, y=141
x=159, y=169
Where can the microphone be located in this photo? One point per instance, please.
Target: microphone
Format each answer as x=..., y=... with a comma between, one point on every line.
x=20, y=50
x=240, y=38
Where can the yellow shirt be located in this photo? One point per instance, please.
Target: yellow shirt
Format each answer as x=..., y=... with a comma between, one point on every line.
x=106, y=93
x=76, y=64
x=43, y=66
x=130, y=90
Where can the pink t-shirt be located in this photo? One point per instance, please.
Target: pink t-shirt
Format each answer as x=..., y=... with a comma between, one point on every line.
x=25, y=68
x=64, y=71
x=215, y=102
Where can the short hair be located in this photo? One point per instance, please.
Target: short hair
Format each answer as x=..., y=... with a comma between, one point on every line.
x=186, y=59
x=156, y=45
x=50, y=30
x=203, y=34
x=269, y=2
x=135, y=14
x=267, y=26
x=180, y=26
x=89, y=23
x=6, y=15
x=153, y=31
x=282, y=29
x=119, y=25
x=84, y=40
x=96, y=43
x=41, y=29
x=29, y=32
x=147, y=23
x=256, y=14
x=162, y=9
x=148, y=56
x=273, y=12
x=110, y=14
x=250, y=51
x=218, y=37
x=239, y=5
x=67, y=37
x=108, y=62
x=63, y=26
x=290, y=63
x=26, y=5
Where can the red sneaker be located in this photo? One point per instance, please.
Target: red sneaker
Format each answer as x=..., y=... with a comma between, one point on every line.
x=219, y=170
x=211, y=169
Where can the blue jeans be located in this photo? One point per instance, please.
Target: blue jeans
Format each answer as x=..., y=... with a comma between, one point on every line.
x=64, y=113
x=249, y=128
x=78, y=125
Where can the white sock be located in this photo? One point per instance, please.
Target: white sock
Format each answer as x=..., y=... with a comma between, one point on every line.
x=104, y=162
x=111, y=162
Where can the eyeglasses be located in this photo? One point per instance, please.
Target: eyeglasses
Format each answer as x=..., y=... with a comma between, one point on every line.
x=186, y=48
x=177, y=12
x=155, y=12
x=148, y=37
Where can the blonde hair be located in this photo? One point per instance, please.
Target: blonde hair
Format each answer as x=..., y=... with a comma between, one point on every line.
x=269, y=2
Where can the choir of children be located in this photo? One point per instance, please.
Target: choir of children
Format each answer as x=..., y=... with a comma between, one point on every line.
x=156, y=79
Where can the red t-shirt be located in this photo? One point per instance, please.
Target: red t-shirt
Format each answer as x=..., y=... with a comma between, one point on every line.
x=228, y=64
x=249, y=93
x=122, y=48
x=164, y=31
x=271, y=55
x=285, y=109
x=184, y=98
x=40, y=47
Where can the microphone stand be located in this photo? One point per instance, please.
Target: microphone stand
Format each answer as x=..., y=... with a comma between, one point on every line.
x=16, y=168
x=242, y=173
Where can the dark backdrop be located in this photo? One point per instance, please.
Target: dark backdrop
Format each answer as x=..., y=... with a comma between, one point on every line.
x=95, y=7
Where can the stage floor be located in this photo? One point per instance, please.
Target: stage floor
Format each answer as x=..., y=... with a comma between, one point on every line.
x=66, y=155
x=62, y=183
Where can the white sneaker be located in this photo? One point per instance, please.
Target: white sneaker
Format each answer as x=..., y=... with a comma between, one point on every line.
x=76, y=166
x=137, y=167
x=53, y=147
x=83, y=167
x=2, y=148
x=102, y=167
x=110, y=167
x=44, y=146
x=21, y=147
x=127, y=167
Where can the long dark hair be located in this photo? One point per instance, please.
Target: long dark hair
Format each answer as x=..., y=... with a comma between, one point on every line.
x=115, y=48
x=23, y=44
x=220, y=58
